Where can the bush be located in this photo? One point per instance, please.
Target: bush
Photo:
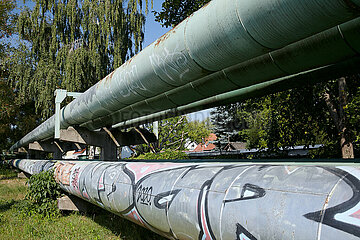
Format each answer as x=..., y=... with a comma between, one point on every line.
x=167, y=154
x=41, y=195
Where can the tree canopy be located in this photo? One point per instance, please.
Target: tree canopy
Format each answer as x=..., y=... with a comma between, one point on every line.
x=175, y=11
x=306, y=116
x=175, y=132
x=72, y=44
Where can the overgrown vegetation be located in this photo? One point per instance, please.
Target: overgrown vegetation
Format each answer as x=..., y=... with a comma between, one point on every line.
x=100, y=224
x=174, y=134
x=166, y=154
x=42, y=192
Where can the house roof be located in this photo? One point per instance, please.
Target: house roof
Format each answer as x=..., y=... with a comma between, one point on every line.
x=235, y=146
x=207, y=145
x=211, y=137
x=204, y=147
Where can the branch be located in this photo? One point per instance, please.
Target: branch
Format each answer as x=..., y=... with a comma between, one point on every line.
x=172, y=129
x=332, y=110
x=146, y=141
x=342, y=102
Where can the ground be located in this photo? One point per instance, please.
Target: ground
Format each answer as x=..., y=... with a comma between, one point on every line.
x=98, y=225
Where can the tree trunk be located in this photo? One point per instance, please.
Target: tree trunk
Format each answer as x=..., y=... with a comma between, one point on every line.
x=347, y=149
x=339, y=119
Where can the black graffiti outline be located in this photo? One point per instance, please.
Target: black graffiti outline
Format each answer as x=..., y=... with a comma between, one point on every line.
x=167, y=204
x=134, y=186
x=75, y=179
x=205, y=187
x=204, y=194
x=113, y=186
x=328, y=218
x=240, y=229
x=144, y=195
x=82, y=182
x=259, y=193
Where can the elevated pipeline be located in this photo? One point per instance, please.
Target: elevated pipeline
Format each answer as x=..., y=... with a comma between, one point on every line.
x=219, y=200
x=221, y=43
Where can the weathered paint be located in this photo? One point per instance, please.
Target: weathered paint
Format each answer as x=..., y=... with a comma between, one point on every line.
x=176, y=68
x=220, y=200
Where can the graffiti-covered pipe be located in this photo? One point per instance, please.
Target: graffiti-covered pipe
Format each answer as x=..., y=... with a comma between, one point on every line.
x=220, y=200
x=222, y=34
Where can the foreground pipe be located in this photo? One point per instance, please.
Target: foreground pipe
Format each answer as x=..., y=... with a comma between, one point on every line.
x=220, y=200
x=220, y=35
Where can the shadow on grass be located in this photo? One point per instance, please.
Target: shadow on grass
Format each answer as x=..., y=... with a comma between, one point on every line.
x=120, y=226
x=8, y=177
x=6, y=205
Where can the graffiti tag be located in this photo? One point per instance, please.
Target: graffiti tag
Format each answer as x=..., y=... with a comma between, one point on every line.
x=144, y=195
x=171, y=64
x=62, y=172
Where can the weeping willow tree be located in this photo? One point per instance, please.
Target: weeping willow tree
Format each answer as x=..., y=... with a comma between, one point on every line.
x=71, y=44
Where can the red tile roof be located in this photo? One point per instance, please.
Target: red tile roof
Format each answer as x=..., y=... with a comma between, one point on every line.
x=206, y=146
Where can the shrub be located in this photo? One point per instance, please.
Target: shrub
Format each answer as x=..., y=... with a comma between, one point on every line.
x=167, y=154
x=41, y=195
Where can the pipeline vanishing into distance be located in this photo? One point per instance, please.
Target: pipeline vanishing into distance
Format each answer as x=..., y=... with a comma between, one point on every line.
x=226, y=50
x=243, y=201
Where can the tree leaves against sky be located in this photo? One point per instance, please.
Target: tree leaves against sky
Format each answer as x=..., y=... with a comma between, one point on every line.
x=175, y=11
x=72, y=44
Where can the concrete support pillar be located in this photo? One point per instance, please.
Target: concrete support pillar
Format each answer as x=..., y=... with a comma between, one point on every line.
x=37, y=150
x=72, y=203
x=109, y=151
x=70, y=139
x=108, y=140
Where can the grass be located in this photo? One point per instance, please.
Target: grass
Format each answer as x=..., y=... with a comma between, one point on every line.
x=100, y=224
x=6, y=172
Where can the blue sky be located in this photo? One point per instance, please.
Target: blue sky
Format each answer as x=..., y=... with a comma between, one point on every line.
x=153, y=30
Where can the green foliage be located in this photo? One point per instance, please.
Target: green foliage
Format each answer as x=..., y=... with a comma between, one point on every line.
x=352, y=109
x=6, y=22
x=290, y=118
x=172, y=133
x=300, y=117
x=10, y=112
x=41, y=195
x=72, y=44
x=175, y=132
x=175, y=11
x=166, y=154
x=199, y=130
x=226, y=124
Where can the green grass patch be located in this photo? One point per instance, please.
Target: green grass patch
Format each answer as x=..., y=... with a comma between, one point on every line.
x=100, y=224
x=6, y=172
